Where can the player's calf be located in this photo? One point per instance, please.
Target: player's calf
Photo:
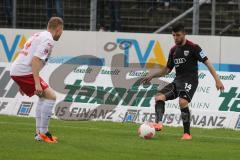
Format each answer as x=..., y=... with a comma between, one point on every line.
x=45, y=107
x=185, y=115
x=159, y=111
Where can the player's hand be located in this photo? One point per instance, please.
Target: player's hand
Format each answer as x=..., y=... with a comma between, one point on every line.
x=146, y=79
x=219, y=85
x=21, y=92
x=38, y=90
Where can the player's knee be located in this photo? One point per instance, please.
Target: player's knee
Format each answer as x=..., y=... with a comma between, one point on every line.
x=49, y=94
x=54, y=97
x=183, y=103
x=160, y=97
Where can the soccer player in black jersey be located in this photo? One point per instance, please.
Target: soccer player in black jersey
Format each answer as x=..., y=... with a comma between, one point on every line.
x=184, y=56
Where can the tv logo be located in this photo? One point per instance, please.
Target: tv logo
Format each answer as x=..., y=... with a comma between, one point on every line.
x=25, y=108
x=143, y=56
x=11, y=51
x=146, y=58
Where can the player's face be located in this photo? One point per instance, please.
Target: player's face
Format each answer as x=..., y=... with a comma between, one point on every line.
x=179, y=37
x=58, y=33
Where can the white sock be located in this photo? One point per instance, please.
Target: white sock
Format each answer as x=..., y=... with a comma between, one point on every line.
x=46, y=113
x=38, y=114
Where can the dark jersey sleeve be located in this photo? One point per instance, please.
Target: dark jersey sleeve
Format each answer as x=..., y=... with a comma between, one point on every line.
x=200, y=54
x=170, y=62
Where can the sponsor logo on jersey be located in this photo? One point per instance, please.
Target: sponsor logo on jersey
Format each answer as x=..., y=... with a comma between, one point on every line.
x=179, y=61
x=46, y=51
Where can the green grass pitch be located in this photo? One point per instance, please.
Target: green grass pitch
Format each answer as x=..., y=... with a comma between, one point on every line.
x=89, y=140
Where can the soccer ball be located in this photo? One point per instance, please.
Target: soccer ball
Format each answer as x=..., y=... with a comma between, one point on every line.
x=146, y=131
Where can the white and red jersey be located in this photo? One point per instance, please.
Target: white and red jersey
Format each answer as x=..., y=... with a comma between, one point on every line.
x=39, y=45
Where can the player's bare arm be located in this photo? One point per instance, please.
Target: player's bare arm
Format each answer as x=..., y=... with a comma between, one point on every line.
x=36, y=66
x=219, y=84
x=161, y=73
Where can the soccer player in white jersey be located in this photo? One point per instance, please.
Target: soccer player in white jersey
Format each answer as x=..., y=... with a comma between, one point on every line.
x=25, y=72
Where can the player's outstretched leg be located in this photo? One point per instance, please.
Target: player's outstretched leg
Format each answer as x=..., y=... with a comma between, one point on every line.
x=159, y=111
x=185, y=114
x=47, y=102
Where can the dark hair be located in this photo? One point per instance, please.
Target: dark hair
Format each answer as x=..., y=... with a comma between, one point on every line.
x=178, y=27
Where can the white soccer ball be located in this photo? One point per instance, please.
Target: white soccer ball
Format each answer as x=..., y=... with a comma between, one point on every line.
x=146, y=131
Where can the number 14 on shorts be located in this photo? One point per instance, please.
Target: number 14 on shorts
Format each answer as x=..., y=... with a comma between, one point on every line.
x=188, y=87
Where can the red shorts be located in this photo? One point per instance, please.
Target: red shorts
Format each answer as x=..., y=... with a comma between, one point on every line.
x=27, y=84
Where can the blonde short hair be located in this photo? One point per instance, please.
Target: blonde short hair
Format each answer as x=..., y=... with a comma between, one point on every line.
x=54, y=22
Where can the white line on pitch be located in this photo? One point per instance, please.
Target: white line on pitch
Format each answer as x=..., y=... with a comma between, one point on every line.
x=94, y=128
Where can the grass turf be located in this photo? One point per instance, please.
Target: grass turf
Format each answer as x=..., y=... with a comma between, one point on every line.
x=107, y=140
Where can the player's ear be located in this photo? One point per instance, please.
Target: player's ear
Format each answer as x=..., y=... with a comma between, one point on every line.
x=59, y=28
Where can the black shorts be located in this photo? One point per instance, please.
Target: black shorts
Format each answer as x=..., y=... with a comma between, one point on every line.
x=184, y=89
